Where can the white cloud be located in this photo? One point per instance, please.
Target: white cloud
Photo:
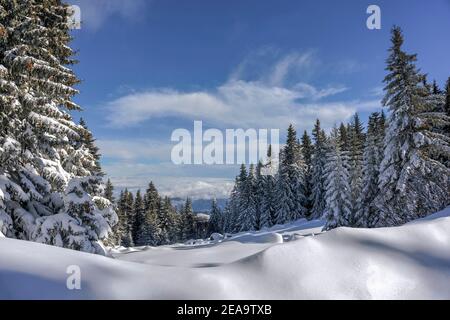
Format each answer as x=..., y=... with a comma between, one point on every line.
x=94, y=13
x=236, y=104
x=273, y=100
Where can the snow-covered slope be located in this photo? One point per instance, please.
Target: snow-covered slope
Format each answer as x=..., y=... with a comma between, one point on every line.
x=287, y=262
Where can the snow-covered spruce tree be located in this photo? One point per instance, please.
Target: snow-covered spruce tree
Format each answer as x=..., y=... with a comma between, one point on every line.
x=138, y=216
x=412, y=182
x=40, y=195
x=338, y=192
x=226, y=216
x=259, y=194
x=215, y=220
x=188, y=220
x=9, y=147
x=307, y=152
x=317, y=176
x=238, y=201
x=291, y=181
x=166, y=221
x=126, y=218
x=367, y=214
x=109, y=191
x=247, y=203
x=148, y=231
x=268, y=203
x=344, y=138
x=356, y=140
x=231, y=211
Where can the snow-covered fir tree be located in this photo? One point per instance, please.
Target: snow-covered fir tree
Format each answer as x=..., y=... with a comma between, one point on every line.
x=291, y=181
x=109, y=191
x=247, y=203
x=413, y=182
x=231, y=211
x=307, y=152
x=138, y=216
x=188, y=228
x=215, y=220
x=338, y=191
x=148, y=231
x=125, y=212
x=318, y=168
x=356, y=140
x=367, y=214
x=166, y=221
x=268, y=202
x=238, y=201
x=259, y=194
x=51, y=193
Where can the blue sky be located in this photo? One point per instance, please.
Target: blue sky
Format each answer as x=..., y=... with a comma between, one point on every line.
x=149, y=67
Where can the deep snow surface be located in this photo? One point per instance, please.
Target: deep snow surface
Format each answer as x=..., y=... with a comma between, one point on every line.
x=295, y=261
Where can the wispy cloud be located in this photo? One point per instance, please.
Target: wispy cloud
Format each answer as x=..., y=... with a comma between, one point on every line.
x=272, y=100
x=236, y=104
x=94, y=13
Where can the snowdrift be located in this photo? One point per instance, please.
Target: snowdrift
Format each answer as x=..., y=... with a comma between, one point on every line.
x=286, y=262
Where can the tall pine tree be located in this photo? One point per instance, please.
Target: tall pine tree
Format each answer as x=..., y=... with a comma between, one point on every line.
x=318, y=170
x=338, y=191
x=412, y=183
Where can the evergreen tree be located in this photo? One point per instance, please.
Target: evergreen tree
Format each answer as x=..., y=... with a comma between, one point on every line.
x=138, y=216
x=188, y=220
x=436, y=90
x=231, y=212
x=318, y=168
x=338, y=192
x=344, y=137
x=356, y=138
x=166, y=221
x=215, y=220
x=247, y=195
x=307, y=152
x=52, y=189
x=239, y=200
x=109, y=191
x=268, y=203
x=149, y=232
x=291, y=181
x=373, y=154
x=259, y=194
x=412, y=182
x=126, y=207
